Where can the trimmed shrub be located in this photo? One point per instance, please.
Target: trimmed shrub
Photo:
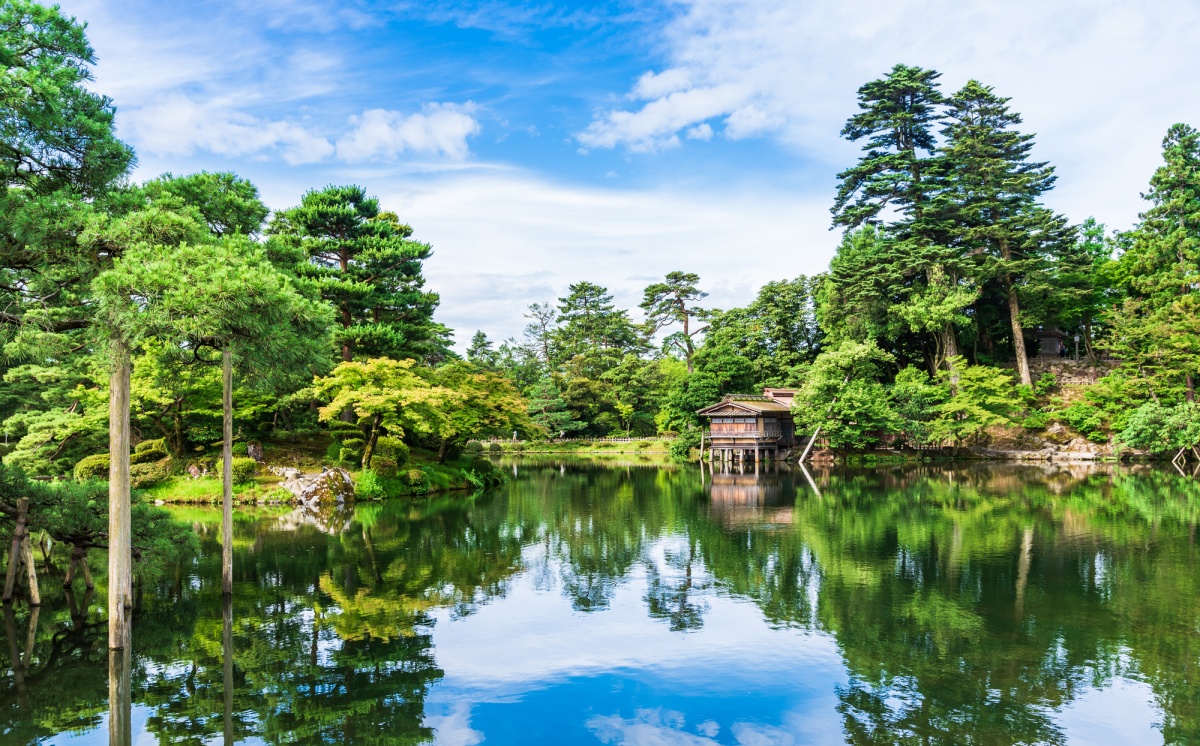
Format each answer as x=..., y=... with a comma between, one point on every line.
x=158, y=444
x=92, y=467
x=495, y=448
x=148, y=473
x=334, y=451
x=239, y=449
x=149, y=450
x=348, y=455
x=473, y=448
x=369, y=486
x=244, y=469
x=384, y=466
x=418, y=481
x=392, y=448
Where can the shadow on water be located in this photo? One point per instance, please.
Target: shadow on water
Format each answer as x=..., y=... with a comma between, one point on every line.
x=968, y=605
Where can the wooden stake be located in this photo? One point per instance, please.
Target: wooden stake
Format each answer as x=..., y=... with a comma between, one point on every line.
x=120, y=545
x=87, y=574
x=16, y=555
x=35, y=597
x=227, y=471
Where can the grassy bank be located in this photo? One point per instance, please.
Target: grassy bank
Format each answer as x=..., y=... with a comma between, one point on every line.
x=421, y=475
x=520, y=447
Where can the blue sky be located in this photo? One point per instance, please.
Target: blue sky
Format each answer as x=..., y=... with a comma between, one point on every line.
x=538, y=144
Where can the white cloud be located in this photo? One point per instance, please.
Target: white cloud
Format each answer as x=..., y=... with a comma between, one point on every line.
x=439, y=130
x=179, y=125
x=507, y=239
x=702, y=131
x=1099, y=81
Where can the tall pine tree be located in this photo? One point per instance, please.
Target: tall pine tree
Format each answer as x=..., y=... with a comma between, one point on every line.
x=898, y=183
x=365, y=264
x=992, y=190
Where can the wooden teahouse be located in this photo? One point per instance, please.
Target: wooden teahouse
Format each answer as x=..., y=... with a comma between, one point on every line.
x=745, y=426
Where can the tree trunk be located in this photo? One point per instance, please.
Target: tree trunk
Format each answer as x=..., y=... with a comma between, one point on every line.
x=442, y=450
x=950, y=350
x=227, y=471
x=372, y=439
x=120, y=542
x=1014, y=313
x=16, y=554
x=1191, y=388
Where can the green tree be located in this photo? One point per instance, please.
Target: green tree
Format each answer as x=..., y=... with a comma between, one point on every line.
x=389, y=397
x=56, y=133
x=983, y=398
x=550, y=411
x=481, y=352
x=1164, y=258
x=484, y=404
x=593, y=329
x=901, y=176
x=992, y=189
x=673, y=302
x=364, y=263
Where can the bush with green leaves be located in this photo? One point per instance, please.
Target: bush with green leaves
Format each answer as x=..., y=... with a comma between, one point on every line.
x=982, y=397
x=369, y=486
x=244, y=468
x=1162, y=430
x=418, y=481
x=473, y=448
x=681, y=448
x=1087, y=419
x=240, y=448
x=392, y=448
x=915, y=399
x=148, y=473
x=495, y=448
x=92, y=467
x=483, y=474
x=1045, y=384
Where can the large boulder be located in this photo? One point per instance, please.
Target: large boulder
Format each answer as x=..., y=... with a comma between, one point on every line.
x=330, y=486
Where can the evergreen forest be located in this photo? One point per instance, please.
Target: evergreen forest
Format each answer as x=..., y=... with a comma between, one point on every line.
x=221, y=324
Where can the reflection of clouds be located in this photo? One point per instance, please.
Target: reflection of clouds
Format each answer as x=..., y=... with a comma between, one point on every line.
x=454, y=728
x=646, y=728
x=659, y=727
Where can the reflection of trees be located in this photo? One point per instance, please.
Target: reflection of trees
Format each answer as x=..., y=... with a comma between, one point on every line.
x=330, y=631
x=969, y=603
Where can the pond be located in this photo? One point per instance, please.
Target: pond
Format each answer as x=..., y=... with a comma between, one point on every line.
x=633, y=603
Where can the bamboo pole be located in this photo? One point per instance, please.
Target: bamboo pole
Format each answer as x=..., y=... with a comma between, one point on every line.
x=227, y=471
x=227, y=668
x=120, y=547
x=120, y=705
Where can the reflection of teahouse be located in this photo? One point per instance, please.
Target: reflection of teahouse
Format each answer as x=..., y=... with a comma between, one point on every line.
x=1050, y=340
x=739, y=500
x=749, y=426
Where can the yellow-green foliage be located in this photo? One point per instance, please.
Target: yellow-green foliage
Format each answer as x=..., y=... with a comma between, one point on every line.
x=148, y=473
x=244, y=469
x=149, y=450
x=91, y=467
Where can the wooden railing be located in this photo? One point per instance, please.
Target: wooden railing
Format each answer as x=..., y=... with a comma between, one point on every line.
x=743, y=434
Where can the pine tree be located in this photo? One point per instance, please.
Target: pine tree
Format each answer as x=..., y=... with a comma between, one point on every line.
x=364, y=263
x=992, y=189
x=899, y=183
x=672, y=302
x=1163, y=262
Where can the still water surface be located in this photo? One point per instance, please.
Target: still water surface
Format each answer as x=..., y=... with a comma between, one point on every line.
x=642, y=604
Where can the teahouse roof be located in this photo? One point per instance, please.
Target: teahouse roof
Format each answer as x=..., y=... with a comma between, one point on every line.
x=735, y=404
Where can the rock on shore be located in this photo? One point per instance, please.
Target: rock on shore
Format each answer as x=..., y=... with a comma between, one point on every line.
x=326, y=486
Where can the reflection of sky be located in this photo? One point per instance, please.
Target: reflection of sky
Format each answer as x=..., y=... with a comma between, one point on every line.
x=528, y=668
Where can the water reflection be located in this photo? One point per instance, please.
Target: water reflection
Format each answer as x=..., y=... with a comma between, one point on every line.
x=918, y=604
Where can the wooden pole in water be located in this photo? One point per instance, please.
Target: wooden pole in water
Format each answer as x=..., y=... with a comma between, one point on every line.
x=16, y=553
x=227, y=472
x=120, y=547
